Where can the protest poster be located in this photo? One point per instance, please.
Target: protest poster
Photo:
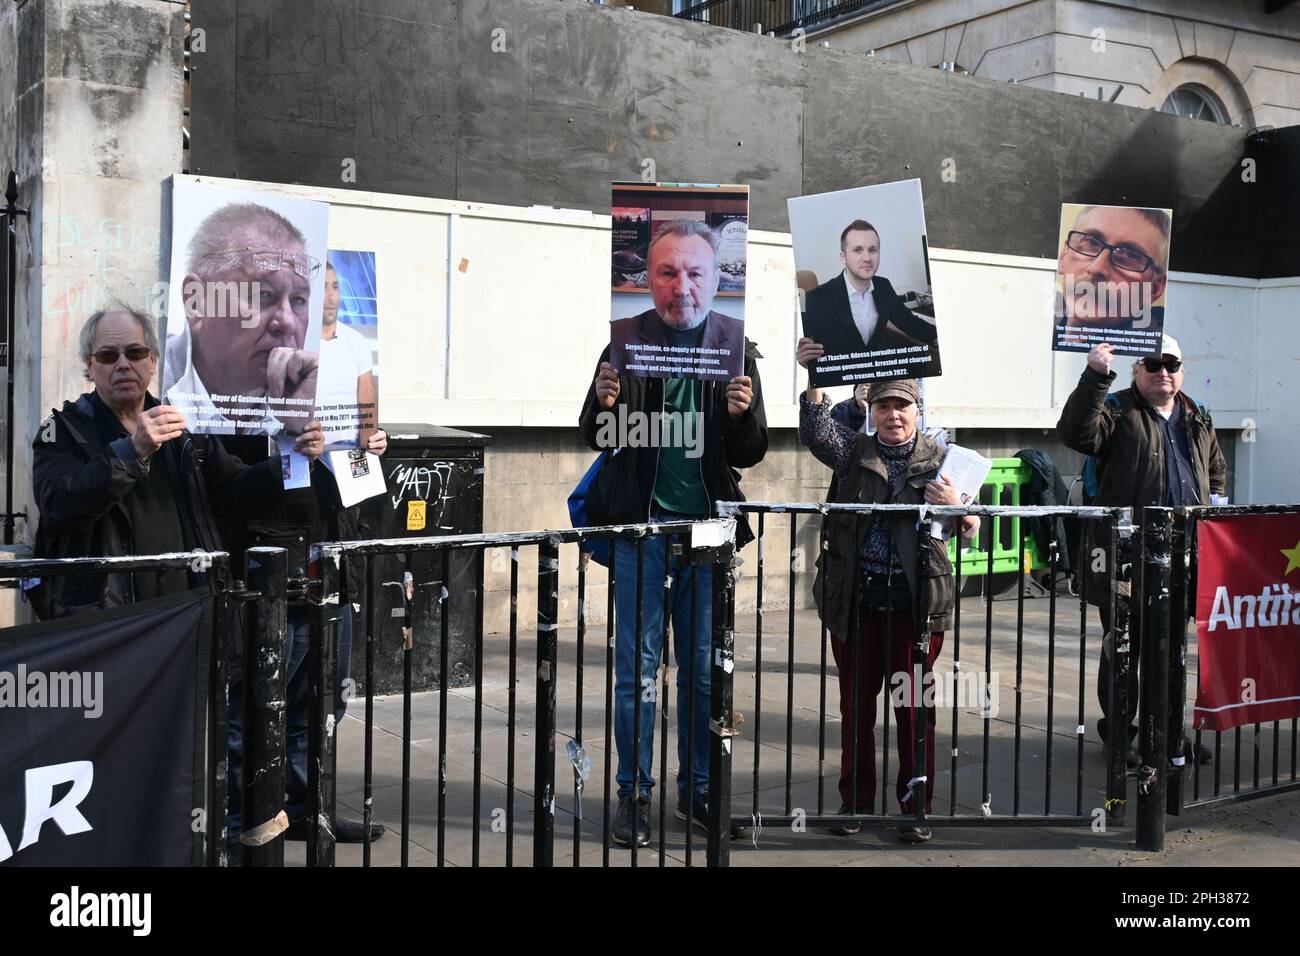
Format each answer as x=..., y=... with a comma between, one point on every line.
x=1112, y=271
x=863, y=274
x=678, y=292
x=347, y=395
x=243, y=311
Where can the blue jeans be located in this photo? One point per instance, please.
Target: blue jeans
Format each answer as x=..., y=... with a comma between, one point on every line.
x=297, y=641
x=652, y=640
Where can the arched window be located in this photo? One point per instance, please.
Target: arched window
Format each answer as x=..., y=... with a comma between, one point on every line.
x=1193, y=101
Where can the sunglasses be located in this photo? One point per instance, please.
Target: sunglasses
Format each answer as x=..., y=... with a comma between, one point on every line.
x=135, y=353
x=1154, y=365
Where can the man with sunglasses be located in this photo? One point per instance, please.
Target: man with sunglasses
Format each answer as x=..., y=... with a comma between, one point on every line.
x=1153, y=446
x=1113, y=269
x=117, y=473
x=246, y=296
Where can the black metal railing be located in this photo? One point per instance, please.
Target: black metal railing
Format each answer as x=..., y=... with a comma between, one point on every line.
x=213, y=687
x=781, y=17
x=777, y=804
x=1149, y=569
x=564, y=656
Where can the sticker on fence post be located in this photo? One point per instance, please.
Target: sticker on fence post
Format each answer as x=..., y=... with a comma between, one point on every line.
x=708, y=534
x=415, y=515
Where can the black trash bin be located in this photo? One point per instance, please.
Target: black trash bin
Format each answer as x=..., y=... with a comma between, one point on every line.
x=434, y=476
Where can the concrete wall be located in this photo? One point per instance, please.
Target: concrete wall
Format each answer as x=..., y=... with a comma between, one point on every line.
x=8, y=89
x=286, y=91
x=576, y=95
x=99, y=91
x=1246, y=57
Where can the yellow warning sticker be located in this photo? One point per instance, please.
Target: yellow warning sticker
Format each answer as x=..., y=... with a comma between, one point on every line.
x=415, y=515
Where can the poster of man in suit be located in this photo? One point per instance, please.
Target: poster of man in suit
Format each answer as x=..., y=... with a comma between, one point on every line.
x=868, y=326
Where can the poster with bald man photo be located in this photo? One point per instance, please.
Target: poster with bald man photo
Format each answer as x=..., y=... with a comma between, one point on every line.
x=1112, y=269
x=679, y=255
x=244, y=310
x=863, y=275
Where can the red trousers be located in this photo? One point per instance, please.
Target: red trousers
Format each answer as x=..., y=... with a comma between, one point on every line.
x=884, y=648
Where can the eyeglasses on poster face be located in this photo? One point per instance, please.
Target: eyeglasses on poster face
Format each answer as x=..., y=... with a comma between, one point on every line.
x=1130, y=260
x=272, y=260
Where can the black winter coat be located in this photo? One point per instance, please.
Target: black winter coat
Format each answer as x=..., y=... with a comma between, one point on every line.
x=298, y=521
x=81, y=486
x=1125, y=436
x=623, y=490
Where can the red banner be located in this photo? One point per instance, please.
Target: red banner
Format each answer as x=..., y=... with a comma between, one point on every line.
x=1248, y=620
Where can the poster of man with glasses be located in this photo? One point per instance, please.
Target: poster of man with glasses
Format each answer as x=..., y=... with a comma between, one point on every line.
x=1111, y=276
x=244, y=310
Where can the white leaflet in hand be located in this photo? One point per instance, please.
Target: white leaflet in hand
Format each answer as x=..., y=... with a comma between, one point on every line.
x=966, y=470
x=358, y=474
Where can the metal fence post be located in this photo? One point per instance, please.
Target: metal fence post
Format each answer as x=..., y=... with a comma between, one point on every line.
x=8, y=350
x=919, y=785
x=1178, y=614
x=1118, y=568
x=720, y=722
x=262, y=813
x=548, y=609
x=323, y=675
x=218, y=726
x=1157, y=526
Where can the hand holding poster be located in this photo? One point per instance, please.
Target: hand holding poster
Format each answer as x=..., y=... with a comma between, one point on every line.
x=1112, y=270
x=868, y=326
x=684, y=245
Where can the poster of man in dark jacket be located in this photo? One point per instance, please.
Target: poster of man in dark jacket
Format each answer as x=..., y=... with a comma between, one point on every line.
x=677, y=307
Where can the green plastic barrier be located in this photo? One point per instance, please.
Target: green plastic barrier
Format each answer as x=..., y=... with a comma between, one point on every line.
x=1002, y=487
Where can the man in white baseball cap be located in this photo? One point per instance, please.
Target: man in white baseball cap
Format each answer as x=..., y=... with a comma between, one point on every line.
x=1153, y=446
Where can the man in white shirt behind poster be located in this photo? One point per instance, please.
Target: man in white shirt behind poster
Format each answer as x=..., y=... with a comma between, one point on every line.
x=346, y=395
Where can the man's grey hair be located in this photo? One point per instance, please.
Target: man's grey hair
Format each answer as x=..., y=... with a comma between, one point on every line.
x=231, y=228
x=148, y=329
x=684, y=228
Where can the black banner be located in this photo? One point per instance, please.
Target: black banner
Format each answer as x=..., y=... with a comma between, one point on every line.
x=101, y=752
